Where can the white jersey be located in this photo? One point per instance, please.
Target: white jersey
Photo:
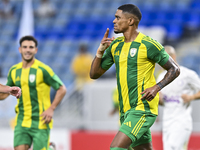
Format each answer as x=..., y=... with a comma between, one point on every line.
x=175, y=112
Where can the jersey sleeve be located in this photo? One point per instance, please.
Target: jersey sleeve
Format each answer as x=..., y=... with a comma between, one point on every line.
x=51, y=78
x=107, y=59
x=9, y=78
x=157, y=53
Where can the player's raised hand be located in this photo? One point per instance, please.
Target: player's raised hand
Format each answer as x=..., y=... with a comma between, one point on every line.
x=15, y=91
x=105, y=42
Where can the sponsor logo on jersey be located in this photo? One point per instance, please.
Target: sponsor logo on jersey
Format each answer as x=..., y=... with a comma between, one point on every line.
x=31, y=78
x=133, y=51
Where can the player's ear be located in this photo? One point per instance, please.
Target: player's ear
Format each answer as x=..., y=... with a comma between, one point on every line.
x=20, y=49
x=36, y=50
x=131, y=21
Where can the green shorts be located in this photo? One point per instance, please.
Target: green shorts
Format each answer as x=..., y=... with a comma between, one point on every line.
x=27, y=136
x=136, y=125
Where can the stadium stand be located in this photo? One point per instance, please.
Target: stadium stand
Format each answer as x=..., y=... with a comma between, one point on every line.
x=87, y=20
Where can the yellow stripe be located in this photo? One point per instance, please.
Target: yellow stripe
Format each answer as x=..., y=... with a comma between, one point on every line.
x=40, y=98
x=13, y=75
x=113, y=49
x=26, y=98
x=141, y=72
x=123, y=75
x=43, y=95
x=139, y=127
x=139, y=37
x=138, y=123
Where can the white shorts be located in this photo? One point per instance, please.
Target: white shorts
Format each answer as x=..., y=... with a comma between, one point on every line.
x=176, y=138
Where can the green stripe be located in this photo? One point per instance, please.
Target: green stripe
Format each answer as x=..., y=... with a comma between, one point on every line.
x=119, y=48
x=150, y=40
x=132, y=76
x=34, y=98
x=53, y=81
x=9, y=78
x=146, y=104
x=20, y=105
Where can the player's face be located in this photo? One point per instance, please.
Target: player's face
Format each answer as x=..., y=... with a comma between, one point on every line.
x=120, y=22
x=28, y=50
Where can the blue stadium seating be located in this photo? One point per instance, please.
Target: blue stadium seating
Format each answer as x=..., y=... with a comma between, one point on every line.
x=87, y=20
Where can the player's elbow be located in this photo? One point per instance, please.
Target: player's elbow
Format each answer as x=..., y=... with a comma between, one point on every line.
x=94, y=75
x=64, y=90
x=177, y=70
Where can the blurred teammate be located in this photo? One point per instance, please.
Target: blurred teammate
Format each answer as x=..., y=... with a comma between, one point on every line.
x=115, y=100
x=134, y=55
x=34, y=110
x=175, y=98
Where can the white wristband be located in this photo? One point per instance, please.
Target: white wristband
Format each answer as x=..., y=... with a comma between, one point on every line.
x=99, y=55
x=102, y=47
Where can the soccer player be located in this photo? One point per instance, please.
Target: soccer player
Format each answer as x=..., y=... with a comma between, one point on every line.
x=175, y=99
x=34, y=110
x=14, y=91
x=134, y=55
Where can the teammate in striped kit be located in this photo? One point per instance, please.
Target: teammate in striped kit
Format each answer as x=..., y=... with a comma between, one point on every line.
x=34, y=110
x=134, y=56
x=175, y=99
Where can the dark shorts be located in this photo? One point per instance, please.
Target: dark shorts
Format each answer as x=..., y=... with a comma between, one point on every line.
x=137, y=126
x=27, y=136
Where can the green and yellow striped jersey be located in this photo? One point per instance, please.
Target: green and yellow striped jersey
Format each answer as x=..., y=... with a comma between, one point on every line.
x=35, y=83
x=135, y=64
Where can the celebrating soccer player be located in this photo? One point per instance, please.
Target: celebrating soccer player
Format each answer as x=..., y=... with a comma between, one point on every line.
x=134, y=55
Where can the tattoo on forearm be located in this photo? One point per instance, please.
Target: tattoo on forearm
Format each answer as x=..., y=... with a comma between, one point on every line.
x=172, y=72
x=160, y=85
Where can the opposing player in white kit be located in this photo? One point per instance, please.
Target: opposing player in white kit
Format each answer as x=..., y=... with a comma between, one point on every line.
x=176, y=97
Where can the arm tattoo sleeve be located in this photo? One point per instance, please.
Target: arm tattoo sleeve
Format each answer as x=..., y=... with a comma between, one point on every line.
x=173, y=72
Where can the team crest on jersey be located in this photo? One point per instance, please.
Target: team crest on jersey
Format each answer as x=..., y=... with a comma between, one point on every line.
x=31, y=78
x=133, y=51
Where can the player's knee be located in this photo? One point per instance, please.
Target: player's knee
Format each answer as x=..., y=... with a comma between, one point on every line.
x=22, y=147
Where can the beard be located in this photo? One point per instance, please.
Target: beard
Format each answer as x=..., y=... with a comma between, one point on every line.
x=27, y=60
